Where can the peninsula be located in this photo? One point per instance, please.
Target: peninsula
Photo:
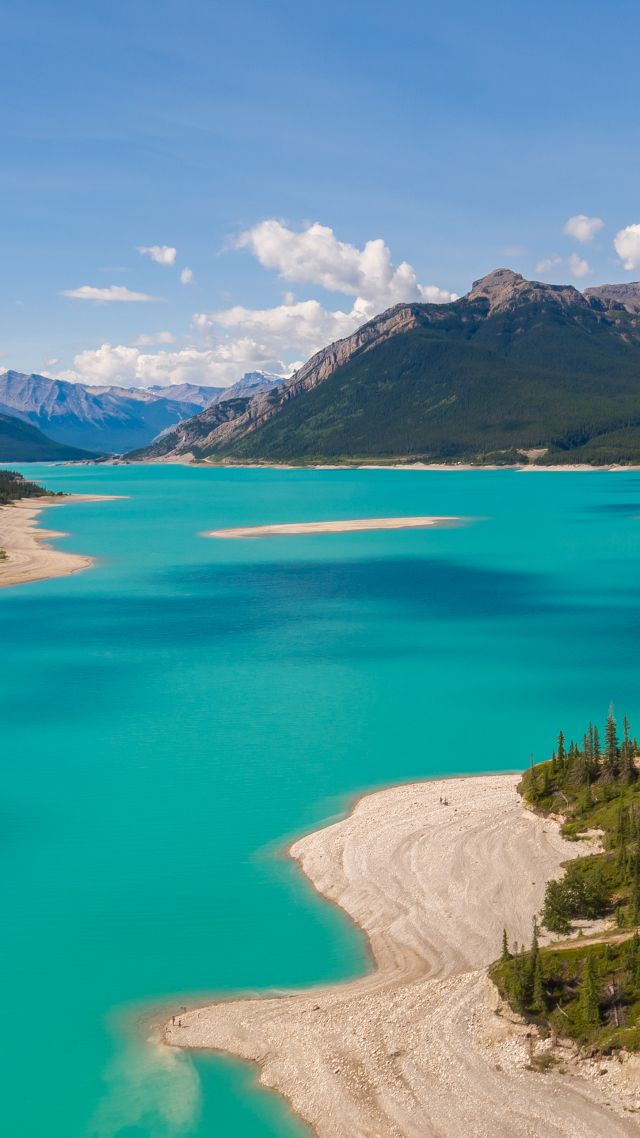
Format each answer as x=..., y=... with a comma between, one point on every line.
x=424, y=1045
x=25, y=552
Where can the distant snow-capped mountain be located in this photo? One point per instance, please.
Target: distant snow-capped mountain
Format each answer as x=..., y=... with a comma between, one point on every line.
x=252, y=383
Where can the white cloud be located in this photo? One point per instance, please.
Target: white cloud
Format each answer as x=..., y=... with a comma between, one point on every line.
x=578, y=266
x=161, y=254
x=547, y=264
x=143, y=340
x=514, y=250
x=113, y=292
x=315, y=256
x=219, y=366
x=234, y=340
x=627, y=245
x=298, y=327
x=583, y=228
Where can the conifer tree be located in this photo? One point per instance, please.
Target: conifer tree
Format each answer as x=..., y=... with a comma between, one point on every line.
x=633, y=957
x=538, y=985
x=533, y=964
x=597, y=753
x=505, y=955
x=628, y=766
x=588, y=999
x=635, y=888
x=611, y=744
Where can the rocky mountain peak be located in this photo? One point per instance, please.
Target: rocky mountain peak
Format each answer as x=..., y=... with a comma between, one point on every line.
x=495, y=283
x=505, y=289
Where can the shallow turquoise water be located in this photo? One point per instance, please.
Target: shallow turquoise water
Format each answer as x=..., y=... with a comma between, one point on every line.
x=169, y=717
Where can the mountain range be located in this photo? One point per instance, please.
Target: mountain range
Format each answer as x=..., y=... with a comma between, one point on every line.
x=516, y=370
x=20, y=442
x=101, y=420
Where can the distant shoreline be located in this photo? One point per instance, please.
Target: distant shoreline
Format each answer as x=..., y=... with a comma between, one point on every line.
x=29, y=557
x=355, y=525
x=570, y=468
x=431, y=872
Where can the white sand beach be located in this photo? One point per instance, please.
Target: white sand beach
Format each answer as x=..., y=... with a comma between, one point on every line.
x=341, y=526
x=29, y=557
x=420, y=1047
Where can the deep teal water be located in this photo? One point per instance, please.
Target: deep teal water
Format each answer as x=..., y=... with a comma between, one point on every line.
x=171, y=716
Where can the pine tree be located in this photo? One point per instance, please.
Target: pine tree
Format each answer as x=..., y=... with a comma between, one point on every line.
x=628, y=766
x=517, y=987
x=611, y=744
x=597, y=753
x=505, y=955
x=533, y=965
x=635, y=888
x=588, y=999
x=588, y=746
x=538, y=985
x=561, y=753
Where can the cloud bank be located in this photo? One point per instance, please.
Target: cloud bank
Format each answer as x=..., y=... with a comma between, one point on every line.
x=315, y=256
x=161, y=254
x=113, y=292
x=627, y=246
x=229, y=341
x=582, y=228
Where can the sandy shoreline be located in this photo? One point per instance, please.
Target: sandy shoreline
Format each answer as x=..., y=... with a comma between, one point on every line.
x=349, y=526
x=29, y=557
x=559, y=468
x=415, y=1048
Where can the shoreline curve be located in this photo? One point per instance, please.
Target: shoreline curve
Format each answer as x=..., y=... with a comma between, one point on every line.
x=420, y=1046
x=29, y=556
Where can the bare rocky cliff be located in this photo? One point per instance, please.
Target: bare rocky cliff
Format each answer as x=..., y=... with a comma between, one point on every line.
x=221, y=423
x=424, y=378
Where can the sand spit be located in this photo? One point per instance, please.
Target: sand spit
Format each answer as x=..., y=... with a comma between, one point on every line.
x=352, y=526
x=419, y=1047
x=29, y=557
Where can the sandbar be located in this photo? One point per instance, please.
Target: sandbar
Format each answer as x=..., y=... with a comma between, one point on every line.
x=340, y=526
x=421, y=1046
x=29, y=557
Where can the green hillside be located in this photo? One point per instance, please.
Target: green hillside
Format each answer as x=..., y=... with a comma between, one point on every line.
x=515, y=366
x=567, y=382
x=20, y=442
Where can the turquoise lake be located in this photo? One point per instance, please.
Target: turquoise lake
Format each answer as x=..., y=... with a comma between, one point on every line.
x=171, y=717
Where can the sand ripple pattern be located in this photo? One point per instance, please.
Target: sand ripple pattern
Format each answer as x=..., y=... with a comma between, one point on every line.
x=417, y=1048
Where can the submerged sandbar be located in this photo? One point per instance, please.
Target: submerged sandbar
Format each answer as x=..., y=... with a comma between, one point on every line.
x=351, y=525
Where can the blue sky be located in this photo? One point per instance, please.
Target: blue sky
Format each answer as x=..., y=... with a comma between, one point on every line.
x=459, y=137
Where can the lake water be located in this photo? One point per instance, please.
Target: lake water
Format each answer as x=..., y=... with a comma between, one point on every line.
x=172, y=716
